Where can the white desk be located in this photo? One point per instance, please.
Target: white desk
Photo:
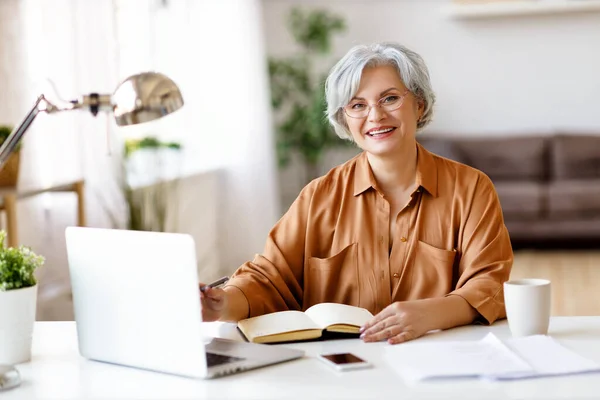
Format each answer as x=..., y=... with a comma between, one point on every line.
x=57, y=371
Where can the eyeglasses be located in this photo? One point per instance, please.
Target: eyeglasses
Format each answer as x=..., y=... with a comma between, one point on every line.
x=389, y=103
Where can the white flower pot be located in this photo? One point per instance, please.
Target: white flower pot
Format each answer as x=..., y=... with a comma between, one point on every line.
x=17, y=315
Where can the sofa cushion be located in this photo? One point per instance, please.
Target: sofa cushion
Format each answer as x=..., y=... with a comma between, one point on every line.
x=567, y=230
x=440, y=146
x=575, y=157
x=574, y=199
x=507, y=158
x=521, y=200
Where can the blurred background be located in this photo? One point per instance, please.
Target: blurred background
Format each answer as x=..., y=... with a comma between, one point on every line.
x=517, y=86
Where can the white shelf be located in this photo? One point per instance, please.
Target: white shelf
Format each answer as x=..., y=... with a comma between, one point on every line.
x=492, y=9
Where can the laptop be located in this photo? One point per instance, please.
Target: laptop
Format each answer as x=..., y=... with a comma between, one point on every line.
x=137, y=303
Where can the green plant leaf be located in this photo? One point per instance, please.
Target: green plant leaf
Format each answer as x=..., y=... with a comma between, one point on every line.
x=5, y=131
x=17, y=266
x=148, y=142
x=297, y=88
x=314, y=29
x=289, y=80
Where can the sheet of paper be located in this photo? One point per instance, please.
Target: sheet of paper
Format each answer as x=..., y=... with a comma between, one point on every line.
x=548, y=358
x=435, y=360
x=489, y=358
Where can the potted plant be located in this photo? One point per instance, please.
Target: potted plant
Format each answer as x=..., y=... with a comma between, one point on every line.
x=148, y=200
x=297, y=90
x=148, y=176
x=18, y=296
x=9, y=174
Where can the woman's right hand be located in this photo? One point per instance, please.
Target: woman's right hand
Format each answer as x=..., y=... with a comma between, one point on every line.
x=214, y=303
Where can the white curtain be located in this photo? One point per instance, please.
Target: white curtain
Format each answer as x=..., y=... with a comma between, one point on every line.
x=72, y=43
x=213, y=50
x=229, y=80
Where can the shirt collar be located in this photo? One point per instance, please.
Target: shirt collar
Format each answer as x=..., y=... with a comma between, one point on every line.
x=363, y=176
x=427, y=176
x=426, y=173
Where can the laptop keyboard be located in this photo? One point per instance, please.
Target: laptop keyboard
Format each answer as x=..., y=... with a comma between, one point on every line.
x=213, y=359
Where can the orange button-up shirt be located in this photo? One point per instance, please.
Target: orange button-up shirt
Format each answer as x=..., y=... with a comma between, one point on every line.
x=332, y=245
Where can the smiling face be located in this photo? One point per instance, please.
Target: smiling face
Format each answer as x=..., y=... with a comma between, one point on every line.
x=382, y=132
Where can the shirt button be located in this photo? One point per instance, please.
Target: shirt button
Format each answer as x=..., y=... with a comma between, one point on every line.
x=396, y=275
x=381, y=239
x=403, y=239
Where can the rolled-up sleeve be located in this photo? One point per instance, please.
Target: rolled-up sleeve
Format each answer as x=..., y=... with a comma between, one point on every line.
x=486, y=255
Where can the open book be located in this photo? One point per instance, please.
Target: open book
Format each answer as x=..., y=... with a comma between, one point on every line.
x=315, y=322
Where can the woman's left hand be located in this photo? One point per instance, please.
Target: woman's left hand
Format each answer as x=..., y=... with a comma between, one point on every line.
x=399, y=322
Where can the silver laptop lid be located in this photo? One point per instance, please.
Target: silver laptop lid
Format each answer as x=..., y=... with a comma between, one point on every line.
x=136, y=300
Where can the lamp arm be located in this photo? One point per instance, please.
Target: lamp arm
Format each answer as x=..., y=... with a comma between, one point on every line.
x=15, y=136
x=94, y=102
x=140, y=98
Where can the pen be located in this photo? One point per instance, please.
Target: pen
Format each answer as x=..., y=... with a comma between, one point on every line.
x=218, y=282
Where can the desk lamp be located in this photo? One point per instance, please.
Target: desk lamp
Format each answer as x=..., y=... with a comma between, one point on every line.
x=140, y=98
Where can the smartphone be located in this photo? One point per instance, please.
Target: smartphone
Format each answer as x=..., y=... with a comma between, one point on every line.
x=343, y=361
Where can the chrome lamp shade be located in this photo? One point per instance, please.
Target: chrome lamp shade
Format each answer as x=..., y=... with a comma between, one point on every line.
x=145, y=97
x=140, y=98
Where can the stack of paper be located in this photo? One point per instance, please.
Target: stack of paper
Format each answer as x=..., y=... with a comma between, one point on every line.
x=487, y=358
x=547, y=357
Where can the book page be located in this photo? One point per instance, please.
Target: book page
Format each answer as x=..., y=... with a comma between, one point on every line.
x=278, y=322
x=326, y=314
x=454, y=359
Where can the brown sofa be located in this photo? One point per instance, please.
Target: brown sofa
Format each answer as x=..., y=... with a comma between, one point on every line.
x=549, y=186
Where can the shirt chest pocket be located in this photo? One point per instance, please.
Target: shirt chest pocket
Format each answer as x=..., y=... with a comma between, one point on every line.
x=432, y=272
x=333, y=279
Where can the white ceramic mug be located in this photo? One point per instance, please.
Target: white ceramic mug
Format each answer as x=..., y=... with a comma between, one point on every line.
x=528, y=306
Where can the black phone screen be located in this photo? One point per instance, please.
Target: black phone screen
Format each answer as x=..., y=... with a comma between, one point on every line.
x=343, y=358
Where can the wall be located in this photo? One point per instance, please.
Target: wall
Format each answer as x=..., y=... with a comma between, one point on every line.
x=12, y=60
x=492, y=76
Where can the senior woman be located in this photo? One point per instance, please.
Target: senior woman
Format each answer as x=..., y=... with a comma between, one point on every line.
x=417, y=239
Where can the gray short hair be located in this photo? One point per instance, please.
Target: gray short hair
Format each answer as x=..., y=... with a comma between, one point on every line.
x=344, y=79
